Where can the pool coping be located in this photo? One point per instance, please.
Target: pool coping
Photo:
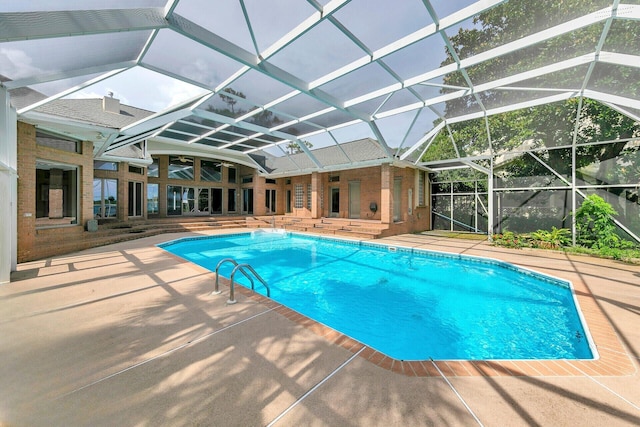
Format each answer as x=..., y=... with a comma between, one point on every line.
x=612, y=358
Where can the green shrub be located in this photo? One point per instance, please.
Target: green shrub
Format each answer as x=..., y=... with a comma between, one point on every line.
x=594, y=226
x=509, y=239
x=554, y=239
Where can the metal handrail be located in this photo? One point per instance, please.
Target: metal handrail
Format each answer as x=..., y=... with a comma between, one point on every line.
x=241, y=267
x=216, y=290
x=477, y=230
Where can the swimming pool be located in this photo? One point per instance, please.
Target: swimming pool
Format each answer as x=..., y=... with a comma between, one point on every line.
x=408, y=304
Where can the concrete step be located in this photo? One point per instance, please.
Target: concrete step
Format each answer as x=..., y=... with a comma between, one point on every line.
x=76, y=238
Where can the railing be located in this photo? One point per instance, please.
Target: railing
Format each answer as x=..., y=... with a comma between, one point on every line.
x=216, y=289
x=461, y=224
x=241, y=268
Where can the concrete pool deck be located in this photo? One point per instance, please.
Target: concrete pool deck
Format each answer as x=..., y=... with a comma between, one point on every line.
x=128, y=334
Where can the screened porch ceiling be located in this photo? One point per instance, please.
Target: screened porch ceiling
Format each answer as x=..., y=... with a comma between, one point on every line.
x=256, y=76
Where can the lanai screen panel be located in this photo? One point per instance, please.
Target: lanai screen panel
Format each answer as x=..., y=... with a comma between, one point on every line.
x=276, y=72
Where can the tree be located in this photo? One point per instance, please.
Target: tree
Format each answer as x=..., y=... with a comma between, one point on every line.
x=548, y=125
x=231, y=98
x=545, y=128
x=294, y=148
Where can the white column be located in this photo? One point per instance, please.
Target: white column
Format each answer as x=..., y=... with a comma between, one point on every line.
x=491, y=207
x=8, y=187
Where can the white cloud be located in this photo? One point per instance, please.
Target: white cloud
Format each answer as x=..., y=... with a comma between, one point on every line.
x=175, y=92
x=142, y=88
x=16, y=64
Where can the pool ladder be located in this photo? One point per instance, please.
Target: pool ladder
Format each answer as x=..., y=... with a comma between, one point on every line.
x=241, y=268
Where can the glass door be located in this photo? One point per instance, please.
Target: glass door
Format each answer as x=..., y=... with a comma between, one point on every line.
x=203, y=200
x=216, y=200
x=270, y=201
x=174, y=200
x=188, y=200
x=135, y=199
x=335, y=202
x=152, y=199
x=247, y=200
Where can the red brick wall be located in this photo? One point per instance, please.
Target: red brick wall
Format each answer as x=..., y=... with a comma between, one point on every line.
x=36, y=243
x=26, y=190
x=372, y=190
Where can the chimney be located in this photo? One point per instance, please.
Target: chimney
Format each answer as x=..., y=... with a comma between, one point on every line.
x=111, y=104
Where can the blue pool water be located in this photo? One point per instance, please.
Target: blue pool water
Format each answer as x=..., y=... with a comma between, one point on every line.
x=407, y=304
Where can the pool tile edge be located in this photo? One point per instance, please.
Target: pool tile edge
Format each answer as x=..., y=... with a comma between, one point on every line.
x=611, y=363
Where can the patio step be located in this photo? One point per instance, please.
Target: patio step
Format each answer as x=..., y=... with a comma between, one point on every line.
x=362, y=229
x=71, y=239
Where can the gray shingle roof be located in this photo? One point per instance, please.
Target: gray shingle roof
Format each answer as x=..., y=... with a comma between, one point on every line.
x=361, y=150
x=91, y=111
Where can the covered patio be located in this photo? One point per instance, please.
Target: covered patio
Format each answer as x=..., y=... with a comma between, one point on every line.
x=127, y=334
x=438, y=86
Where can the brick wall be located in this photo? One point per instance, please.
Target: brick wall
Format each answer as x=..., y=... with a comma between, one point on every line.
x=26, y=190
x=376, y=186
x=34, y=243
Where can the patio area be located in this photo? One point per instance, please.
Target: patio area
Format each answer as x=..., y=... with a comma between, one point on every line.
x=128, y=334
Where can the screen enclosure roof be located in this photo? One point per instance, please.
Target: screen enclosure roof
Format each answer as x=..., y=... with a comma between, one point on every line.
x=236, y=78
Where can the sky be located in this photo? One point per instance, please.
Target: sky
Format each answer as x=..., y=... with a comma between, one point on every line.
x=322, y=50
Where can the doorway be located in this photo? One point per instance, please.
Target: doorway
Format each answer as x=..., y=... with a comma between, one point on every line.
x=135, y=199
x=397, y=199
x=354, y=199
x=247, y=201
x=216, y=200
x=334, y=209
x=270, y=201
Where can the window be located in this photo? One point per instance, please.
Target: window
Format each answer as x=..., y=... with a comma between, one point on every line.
x=270, y=181
x=247, y=179
x=231, y=175
x=180, y=167
x=152, y=199
x=153, y=169
x=210, y=171
x=105, y=198
x=136, y=169
x=56, y=194
x=334, y=178
x=231, y=200
x=53, y=141
x=105, y=166
x=309, y=196
x=135, y=198
x=299, y=196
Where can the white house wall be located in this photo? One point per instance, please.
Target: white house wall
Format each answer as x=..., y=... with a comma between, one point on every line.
x=8, y=187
